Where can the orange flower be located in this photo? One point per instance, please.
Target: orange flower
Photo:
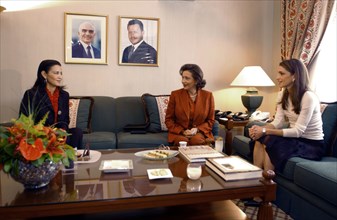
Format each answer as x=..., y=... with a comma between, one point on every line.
x=32, y=151
x=35, y=143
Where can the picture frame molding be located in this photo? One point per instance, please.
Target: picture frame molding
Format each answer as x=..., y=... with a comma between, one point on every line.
x=124, y=42
x=101, y=37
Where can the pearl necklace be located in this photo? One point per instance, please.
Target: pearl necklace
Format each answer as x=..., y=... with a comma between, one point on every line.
x=193, y=96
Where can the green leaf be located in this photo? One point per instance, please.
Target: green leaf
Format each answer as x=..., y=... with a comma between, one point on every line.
x=39, y=161
x=65, y=161
x=8, y=166
x=44, y=119
x=70, y=152
x=10, y=149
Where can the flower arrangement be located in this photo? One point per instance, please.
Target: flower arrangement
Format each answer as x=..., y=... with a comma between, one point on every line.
x=33, y=143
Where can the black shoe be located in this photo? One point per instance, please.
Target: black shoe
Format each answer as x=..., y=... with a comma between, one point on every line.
x=247, y=199
x=251, y=202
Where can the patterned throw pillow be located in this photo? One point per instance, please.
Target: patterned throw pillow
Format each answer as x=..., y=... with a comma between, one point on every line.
x=73, y=108
x=155, y=108
x=80, y=109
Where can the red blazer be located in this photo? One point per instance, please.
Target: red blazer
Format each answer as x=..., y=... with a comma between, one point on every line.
x=178, y=112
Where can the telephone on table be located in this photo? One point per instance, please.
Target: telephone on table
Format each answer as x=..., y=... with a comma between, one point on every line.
x=225, y=115
x=240, y=116
x=260, y=116
x=222, y=115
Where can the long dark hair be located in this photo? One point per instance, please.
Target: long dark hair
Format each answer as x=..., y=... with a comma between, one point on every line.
x=45, y=65
x=197, y=74
x=300, y=86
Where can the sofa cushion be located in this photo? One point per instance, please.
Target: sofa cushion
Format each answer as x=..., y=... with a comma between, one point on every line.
x=318, y=177
x=155, y=108
x=215, y=128
x=240, y=147
x=300, y=203
x=148, y=140
x=100, y=140
x=80, y=110
x=104, y=114
x=289, y=168
x=129, y=111
x=329, y=118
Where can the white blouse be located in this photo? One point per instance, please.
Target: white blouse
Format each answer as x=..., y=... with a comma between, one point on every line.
x=307, y=124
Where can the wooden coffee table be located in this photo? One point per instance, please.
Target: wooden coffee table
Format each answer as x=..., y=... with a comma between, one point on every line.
x=89, y=191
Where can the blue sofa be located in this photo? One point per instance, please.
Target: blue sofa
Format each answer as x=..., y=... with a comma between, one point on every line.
x=123, y=122
x=306, y=190
x=109, y=117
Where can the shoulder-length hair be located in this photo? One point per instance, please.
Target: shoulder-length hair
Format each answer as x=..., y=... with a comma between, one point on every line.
x=197, y=74
x=300, y=86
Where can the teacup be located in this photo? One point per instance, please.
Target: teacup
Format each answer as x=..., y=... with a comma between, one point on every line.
x=194, y=171
x=183, y=143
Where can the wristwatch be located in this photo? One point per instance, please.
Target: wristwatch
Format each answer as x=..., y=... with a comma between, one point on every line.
x=264, y=131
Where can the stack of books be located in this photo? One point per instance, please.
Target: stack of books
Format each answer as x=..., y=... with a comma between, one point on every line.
x=199, y=153
x=233, y=168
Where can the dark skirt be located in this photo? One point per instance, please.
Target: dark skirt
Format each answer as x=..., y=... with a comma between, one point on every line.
x=280, y=149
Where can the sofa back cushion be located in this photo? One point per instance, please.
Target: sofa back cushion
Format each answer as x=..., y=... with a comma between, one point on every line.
x=103, y=114
x=80, y=113
x=155, y=108
x=129, y=111
x=329, y=118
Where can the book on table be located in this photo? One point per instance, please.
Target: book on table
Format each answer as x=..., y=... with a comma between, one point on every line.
x=233, y=168
x=199, y=153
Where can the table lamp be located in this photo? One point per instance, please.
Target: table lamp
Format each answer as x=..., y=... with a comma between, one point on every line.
x=252, y=76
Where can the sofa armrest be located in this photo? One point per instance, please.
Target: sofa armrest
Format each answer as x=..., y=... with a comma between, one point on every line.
x=215, y=128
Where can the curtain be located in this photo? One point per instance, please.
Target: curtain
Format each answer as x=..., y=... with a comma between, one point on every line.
x=303, y=23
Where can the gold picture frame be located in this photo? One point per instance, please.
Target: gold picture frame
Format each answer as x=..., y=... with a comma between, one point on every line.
x=81, y=31
x=132, y=30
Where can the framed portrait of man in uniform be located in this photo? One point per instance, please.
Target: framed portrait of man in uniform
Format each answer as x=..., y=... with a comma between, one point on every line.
x=85, y=38
x=138, y=41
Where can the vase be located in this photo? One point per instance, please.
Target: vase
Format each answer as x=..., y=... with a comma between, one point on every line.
x=33, y=177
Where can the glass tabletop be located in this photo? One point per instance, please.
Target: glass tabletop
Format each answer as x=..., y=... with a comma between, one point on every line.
x=87, y=183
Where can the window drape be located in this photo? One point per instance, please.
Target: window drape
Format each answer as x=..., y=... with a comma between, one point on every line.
x=303, y=23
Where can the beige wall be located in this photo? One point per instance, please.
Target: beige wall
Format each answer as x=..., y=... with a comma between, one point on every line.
x=221, y=36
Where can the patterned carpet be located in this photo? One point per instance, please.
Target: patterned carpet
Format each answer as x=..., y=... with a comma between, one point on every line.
x=251, y=212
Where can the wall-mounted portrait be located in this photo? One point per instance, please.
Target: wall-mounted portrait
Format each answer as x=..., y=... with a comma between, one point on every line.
x=138, y=41
x=85, y=38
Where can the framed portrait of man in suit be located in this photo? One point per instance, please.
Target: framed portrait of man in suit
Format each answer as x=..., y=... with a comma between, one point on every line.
x=138, y=41
x=85, y=38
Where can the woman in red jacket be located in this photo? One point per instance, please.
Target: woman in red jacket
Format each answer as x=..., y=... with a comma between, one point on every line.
x=190, y=111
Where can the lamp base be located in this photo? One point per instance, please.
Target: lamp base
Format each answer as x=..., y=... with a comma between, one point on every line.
x=252, y=101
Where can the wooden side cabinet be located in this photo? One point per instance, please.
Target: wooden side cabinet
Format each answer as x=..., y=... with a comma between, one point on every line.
x=229, y=125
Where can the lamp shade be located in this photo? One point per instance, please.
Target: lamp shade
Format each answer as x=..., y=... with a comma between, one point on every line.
x=252, y=76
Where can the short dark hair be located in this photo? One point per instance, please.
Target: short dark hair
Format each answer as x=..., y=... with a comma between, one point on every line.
x=197, y=74
x=136, y=21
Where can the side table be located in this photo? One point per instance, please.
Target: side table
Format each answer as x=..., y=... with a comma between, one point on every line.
x=229, y=124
